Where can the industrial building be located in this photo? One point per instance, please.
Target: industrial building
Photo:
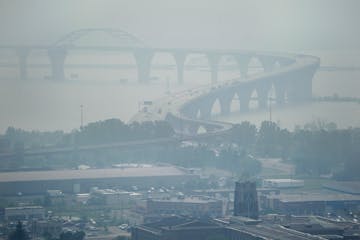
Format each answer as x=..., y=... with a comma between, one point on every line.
x=111, y=197
x=246, y=200
x=177, y=228
x=80, y=181
x=24, y=213
x=350, y=187
x=309, y=203
x=316, y=225
x=239, y=227
x=196, y=206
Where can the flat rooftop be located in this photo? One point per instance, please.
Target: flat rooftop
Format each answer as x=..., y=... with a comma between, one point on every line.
x=274, y=231
x=194, y=199
x=313, y=197
x=155, y=171
x=24, y=207
x=283, y=180
x=352, y=187
x=258, y=231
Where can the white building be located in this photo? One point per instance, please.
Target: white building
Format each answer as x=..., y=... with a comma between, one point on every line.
x=24, y=213
x=112, y=197
x=195, y=206
x=282, y=183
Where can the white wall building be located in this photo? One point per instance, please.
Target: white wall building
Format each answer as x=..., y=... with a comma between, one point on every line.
x=282, y=183
x=24, y=213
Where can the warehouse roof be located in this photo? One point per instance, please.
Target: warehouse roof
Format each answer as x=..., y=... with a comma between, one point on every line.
x=352, y=187
x=153, y=171
x=314, y=197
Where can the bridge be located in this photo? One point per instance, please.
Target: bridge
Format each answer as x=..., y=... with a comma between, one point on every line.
x=189, y=111
x=284, y=79
x=124, y=42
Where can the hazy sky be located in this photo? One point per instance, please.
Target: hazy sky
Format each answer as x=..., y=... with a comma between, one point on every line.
x=261, y=24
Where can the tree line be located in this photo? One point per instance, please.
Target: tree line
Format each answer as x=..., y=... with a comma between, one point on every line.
x=316, y=149
x=107, y=131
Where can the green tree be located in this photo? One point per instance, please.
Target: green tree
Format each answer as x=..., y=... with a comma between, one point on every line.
x=268, y=139
x=244, y=135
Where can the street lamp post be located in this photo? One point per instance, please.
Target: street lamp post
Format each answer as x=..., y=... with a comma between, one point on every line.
x=81, y=116
x=270, y=108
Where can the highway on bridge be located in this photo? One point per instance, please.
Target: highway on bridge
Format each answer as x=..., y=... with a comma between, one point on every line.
x=189, y=110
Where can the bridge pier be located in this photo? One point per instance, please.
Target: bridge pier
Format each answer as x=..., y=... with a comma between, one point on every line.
x=205, y=107
x=22, y=54
x=244, y=98
x=280, y=89
x=57, y=57
x=182, y=126
x=280, y=96
x=192, y=129
x=225, y=102
x=190, y=111
x=267, y=62
x=205, y=113
x=262, y=101
x=243, y=64
x=180, y=64
x=225, y=107
x=262, y=92
x=143, y=58
x=213, y=60
x=300, y=84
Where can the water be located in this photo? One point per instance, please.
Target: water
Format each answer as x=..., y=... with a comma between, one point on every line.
x=42, y=104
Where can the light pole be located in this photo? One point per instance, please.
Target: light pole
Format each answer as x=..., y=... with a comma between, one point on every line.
x=270, y=108
x=81, y=116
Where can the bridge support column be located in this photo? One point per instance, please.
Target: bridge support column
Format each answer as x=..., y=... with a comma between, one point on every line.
x=243, y=63
x=190, y=112
x=280, y=88
x=57, y=59
x=244, y=98
x=225, y=102
x=267, y=62
x=205, y=107
x=213, y=60
x=143, y=59
x=225, y=108
x=262, y=92
x=192, y=129
x=180, y=63
x=300, y=84
x=22, y=54
x=280, y=96
x=205, y=113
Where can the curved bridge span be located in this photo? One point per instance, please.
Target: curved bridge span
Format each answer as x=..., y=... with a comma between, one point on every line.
x=190, y=110
x=288, y=75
